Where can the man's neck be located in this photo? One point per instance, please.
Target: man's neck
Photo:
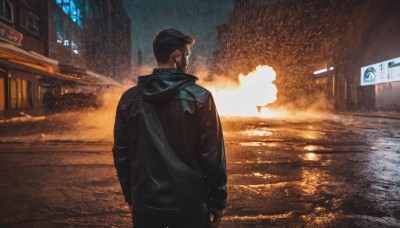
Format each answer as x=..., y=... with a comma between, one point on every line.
x=167, y=65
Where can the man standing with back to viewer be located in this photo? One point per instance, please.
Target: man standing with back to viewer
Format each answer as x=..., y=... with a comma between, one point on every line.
x=168, y=144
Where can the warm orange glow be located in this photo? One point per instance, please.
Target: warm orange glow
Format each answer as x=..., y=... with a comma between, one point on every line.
x=253, y=144
x=311, y=157
x=250, y=96
x=310, y=148
x=256, y=132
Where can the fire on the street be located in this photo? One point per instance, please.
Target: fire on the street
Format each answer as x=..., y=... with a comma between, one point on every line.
x=250, y=96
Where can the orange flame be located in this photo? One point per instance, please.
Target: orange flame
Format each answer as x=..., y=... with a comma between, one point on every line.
x=249, y=98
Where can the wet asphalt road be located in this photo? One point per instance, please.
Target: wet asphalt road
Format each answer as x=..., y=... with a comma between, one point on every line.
x=339, y=171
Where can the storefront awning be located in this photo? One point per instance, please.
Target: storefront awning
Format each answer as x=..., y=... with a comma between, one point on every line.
x=17, y=58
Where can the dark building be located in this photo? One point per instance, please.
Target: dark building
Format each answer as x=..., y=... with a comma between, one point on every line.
x=365, y=39
x=108, y=49
x=365, y=53
x=46, y=52
x=336, y=39
x=281, y=34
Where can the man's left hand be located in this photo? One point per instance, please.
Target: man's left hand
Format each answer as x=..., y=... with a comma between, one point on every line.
x=217, y=217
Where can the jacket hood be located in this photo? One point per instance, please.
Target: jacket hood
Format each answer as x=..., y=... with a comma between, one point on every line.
x=163, y=84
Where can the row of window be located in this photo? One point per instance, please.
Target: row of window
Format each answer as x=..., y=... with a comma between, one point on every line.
x=28, y=19
x=2, y=94
x=20, y=93
x=73, y=8
x=66, y=20
x=6, y=10
x=68, y=35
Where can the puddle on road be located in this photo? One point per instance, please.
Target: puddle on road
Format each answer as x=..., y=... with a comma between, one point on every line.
x=259, y=217
x=265, y=176
x=258, y=144
x=257, y=132
x=312, y=148
x=253, y=144
x=315, y=135
x=320, y=219
x=262, y=189
x=311, y=180
x=311, y=157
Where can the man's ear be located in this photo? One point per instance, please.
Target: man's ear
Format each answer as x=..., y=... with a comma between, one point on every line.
x=177, y=56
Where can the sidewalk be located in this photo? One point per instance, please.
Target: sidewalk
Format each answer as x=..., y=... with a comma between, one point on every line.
x=22, y=118
x=392, y=115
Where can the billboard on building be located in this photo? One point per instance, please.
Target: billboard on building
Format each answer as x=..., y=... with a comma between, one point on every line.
x=10, y=35
x=387, y=71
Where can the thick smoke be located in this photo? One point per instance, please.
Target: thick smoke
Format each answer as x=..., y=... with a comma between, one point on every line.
x=97, y=124
x=225, y=83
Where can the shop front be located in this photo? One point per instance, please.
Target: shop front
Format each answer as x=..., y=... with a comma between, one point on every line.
x=32, y=84
x=3, y=78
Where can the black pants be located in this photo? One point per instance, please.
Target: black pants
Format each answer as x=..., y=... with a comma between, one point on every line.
x=199, y=220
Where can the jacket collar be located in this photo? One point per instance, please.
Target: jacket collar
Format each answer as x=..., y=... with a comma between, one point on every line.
x=166, y=71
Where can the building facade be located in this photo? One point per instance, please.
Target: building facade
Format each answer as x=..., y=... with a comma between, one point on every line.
x=352, y=46
x=45, y=53
x=365, y=55
x=111, y=30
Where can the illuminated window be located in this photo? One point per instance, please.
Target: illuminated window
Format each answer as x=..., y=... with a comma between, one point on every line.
x=65, y=8
x=19, y=93
x=75, y=48
x=73, y=9
x=59, y=29
x=76, y=40
x=73, y=12
x=66, y=31
x=6, y=10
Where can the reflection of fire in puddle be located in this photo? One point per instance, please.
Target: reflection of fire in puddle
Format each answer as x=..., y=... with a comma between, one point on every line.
x=254, y=132
x=312, y=135
x=320, y=218
x=310, y=182
x=310, y=157
x=309, y=135
x=258, y=217
x=265, y=176
x=254, y=144
x=310, y=148
x=314, y=148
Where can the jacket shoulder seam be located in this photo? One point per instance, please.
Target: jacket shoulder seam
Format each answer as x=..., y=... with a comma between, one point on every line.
x=196, y=92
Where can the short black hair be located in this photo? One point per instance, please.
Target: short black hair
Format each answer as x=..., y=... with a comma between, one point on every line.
x=169, y=40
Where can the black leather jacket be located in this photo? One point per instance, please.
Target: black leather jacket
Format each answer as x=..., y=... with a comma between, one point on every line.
x=168, y=146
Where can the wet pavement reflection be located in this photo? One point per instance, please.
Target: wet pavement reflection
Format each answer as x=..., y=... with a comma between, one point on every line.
x=336, y=172
x=340, y=172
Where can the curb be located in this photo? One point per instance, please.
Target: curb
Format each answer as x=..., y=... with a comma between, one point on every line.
x=374, y=115
x=26, y=118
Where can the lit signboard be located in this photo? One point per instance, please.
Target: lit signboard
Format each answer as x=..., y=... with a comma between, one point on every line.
x=10, y=35
x=387, y=71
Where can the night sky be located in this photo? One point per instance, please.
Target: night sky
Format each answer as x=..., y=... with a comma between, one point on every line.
x=197, y=18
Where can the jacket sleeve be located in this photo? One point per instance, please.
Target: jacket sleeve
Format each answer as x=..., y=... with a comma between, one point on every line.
x=121, y=154
x=212, y=154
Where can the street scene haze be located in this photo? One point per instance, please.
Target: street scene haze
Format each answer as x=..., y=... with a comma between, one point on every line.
x=308, y=93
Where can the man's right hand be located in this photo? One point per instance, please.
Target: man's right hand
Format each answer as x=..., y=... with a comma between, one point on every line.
x=217, y=217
